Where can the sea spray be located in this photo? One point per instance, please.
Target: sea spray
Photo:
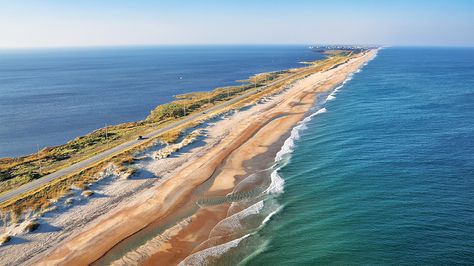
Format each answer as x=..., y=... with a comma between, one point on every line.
x=204, y=257
x=245, y=219
x=270, y=215
x=331, y=214
x=257, y=251
x=333, y=93
x=247, y=242
x=143, y=252
x=235, y=222
x=258, y=211
x=283, y=156
x=246, y=245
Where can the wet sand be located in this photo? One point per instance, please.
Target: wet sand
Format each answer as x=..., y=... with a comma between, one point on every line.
x=213, y=175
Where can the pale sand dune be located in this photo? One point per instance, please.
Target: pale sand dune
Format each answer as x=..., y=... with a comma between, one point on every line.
x=274, y=123
x=247, y=134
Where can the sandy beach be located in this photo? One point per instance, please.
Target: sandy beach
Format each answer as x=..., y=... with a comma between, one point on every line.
x=234, y=147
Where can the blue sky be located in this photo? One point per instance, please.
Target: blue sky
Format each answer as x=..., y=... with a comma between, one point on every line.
x=53, y=23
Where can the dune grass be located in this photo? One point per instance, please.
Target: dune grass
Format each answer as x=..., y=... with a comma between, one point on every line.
x=17, y=171
x=4, y=239
x=32, y=226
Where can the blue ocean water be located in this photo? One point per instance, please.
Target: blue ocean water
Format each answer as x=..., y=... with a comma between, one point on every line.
x=386, y=174
x=48, y=97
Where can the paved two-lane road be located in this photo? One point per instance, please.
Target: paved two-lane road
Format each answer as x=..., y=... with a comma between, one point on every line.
x=122, y=147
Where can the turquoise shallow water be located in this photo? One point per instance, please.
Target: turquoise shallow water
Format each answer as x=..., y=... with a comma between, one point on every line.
x=386, y=174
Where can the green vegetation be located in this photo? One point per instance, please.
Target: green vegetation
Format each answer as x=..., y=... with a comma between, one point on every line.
x=31, y=226
x=338, y=52
x=4, y=239
x=17, y=171
x=41, y=198
x=171, y=136
x=87, y=193
x=192, y=102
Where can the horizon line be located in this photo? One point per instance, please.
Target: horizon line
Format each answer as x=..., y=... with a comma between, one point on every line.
x=222, y=44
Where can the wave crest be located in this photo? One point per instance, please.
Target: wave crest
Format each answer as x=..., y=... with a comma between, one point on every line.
x=248, y=216
x=203, y=257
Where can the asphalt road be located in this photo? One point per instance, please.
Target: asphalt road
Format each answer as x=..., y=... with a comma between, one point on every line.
x=122, y=147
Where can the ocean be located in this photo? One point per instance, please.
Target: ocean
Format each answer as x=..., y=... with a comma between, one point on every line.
x=382, y=173
x=50, y=96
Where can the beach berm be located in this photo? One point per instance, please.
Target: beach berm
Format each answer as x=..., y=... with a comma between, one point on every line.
x=257, y=133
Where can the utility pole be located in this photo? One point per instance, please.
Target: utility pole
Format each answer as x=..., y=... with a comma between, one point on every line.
x=106, y=135
x=39, y=160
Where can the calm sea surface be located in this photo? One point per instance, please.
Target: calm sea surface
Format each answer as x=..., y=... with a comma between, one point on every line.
x=386, y=174
x=48, y=97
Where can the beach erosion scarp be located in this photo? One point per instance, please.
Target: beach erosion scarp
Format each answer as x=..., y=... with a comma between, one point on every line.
x=216, y=200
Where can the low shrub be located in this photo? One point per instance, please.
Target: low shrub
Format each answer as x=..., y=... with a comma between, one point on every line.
x=4, y=239
x=31, y=226
x=87, y=193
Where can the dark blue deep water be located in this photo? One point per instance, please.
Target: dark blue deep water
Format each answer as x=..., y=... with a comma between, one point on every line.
x=48, y=97
x=386, y=174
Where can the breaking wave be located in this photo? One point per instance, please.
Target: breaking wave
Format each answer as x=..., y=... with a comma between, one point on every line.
x=139, y=255
x=249, y=220
x=235, y=222
x=204, y=257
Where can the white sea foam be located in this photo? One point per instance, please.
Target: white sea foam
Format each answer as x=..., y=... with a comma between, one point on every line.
x=373, y=57
x=320, y=111
x=143, y=252
x=283, y=156
x=269, y=216
x=201, y=257
x=331, y=97
x=233, y=222
x=259, y=250
x=340, y=86
x=289, y=144
x=277, y=183
x=276, y=186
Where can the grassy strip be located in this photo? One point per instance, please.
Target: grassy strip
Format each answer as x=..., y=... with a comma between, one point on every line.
x=161, y=116
x=15, y=172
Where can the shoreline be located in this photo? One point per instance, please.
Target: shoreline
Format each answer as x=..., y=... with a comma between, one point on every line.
x=231, y=154
x=165, y=123
x=229, y=81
